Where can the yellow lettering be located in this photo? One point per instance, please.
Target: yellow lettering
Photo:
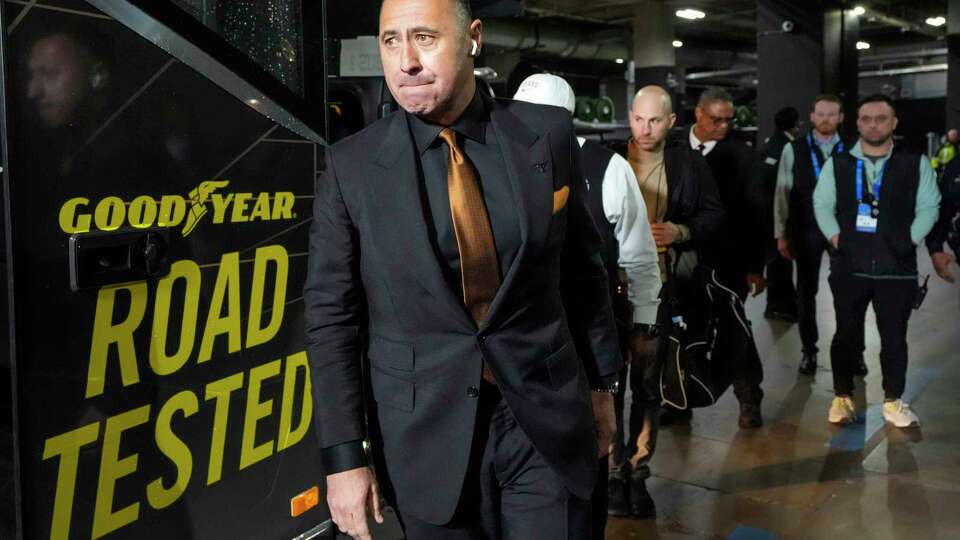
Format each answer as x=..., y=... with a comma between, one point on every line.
x=250, y=453
x=174, y=448
x=113, y=468
x=220, y=204
x=67, y=446
x=172, y=210
x=283, y=205
x=261, y=209
x=255, y=334
x=189, y=272
x=70, y=221
x=142, y=212
x=226, y=290
x=105, y=333
x=289, y=435
x=239, y=207
x=109, y=214
x=220, y=390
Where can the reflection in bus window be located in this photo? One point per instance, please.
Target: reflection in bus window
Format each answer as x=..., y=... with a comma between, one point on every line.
x=268, y=31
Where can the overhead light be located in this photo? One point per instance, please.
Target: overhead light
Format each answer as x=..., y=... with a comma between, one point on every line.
x=936, y=21
x=691, y=14
x=862, y=45
x=677, y=43
x=253, y=101
x=859, y=10
x=619, y=60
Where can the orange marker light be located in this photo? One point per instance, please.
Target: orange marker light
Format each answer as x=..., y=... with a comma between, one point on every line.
x=304, y=501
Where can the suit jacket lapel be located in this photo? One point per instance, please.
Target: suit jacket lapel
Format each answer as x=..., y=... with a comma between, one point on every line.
x=530, y=171
x=402, y=211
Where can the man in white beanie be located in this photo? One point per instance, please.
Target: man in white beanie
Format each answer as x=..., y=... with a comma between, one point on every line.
x=629, y=251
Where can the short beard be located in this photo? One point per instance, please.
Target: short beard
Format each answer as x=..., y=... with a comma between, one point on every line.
x=820, y=131
x=878, y=142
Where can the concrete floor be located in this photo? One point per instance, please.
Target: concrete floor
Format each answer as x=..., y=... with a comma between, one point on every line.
x=800, y=477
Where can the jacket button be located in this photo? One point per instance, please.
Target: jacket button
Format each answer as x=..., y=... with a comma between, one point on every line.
x=481, y=339
x=473, y=391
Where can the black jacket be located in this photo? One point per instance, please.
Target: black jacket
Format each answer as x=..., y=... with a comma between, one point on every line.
x=373, y=274
x=739, y=249
x=949, y=208
x=693, y=200
x=763, y=183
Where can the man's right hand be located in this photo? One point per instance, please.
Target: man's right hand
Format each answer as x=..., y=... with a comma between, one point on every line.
x=941, y=263
x=783, y=246
x=349, y=494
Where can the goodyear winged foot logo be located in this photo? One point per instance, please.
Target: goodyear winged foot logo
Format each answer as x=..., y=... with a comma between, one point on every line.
x=81, y=215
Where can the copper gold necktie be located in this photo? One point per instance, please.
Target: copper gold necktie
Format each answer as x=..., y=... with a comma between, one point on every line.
x=479, y=270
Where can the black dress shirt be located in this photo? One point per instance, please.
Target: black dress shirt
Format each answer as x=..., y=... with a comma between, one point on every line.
x=477, y=140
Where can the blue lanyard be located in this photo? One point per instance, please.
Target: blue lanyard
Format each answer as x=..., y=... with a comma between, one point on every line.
x=813, y=154
x=877, y=184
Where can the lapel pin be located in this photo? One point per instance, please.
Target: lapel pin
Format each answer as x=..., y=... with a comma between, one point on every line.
x=541, y=166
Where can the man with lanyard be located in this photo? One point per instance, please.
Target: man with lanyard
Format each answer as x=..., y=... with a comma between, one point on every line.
x=794, y=225
x=875, y=204
x=629, y=255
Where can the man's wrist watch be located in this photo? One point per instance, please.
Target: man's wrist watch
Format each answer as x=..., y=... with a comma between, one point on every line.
x=612, y=388
x=649, y=330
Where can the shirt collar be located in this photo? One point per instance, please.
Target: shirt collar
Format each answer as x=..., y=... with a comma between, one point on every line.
x=832, y=141
x=695, y=143
x=857, y=152
x=472, y=124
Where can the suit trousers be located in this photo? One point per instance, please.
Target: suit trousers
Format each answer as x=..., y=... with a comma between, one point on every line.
x=510, y=492
x=892, y=302
x=781, y=294
x=808, y=246
x=747, y=368
x=635, y=441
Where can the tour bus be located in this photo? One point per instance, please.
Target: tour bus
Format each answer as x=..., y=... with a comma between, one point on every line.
x=159, y=160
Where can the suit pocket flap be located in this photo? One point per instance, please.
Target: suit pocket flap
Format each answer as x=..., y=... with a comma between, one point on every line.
x=393, y=354
x=562, y=365
x=392, y=391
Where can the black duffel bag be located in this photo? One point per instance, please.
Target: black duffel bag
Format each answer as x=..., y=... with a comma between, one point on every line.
x=709, y=331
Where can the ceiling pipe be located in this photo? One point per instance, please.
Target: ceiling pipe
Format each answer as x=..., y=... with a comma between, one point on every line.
x=564, y=41
x=932, y=68
x=872, y=14
x=903, y=55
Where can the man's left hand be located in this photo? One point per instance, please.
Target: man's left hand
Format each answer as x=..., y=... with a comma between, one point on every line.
x=756, y=283
x=664, y=234
x=606, y=426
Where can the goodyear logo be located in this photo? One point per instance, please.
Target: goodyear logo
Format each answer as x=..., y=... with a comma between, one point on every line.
x=80, y=215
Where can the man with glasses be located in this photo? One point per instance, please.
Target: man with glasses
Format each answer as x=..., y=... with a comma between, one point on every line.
x=794, y=225
x=875, y=204
x=738, y=253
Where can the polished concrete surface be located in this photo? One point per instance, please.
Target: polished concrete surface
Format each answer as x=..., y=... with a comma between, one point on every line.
x=800, y=477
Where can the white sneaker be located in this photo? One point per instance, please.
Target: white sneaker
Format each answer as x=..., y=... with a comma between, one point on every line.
x=842, y=411
x=899, y=414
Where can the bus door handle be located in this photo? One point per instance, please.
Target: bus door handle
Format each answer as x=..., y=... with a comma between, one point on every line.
x=99, y=259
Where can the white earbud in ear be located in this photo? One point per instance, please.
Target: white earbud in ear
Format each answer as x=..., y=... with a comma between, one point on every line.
x=474, y=48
